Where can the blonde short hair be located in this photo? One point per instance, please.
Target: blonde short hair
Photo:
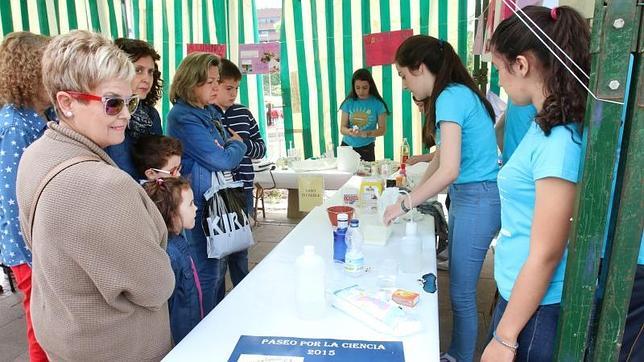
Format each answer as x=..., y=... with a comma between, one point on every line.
x=20, y=68
x=192, y=72
x=81, y=60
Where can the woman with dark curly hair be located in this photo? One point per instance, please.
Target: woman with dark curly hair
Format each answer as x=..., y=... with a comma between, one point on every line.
x=147, y=84
x=538, y=184
x=24, y=101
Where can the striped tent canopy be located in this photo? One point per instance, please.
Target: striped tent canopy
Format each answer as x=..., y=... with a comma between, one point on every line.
x=322, y=47
x=167, y=24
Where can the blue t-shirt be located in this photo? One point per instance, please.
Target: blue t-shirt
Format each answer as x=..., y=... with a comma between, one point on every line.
x=517, y=122
x=459, y=104
x=640, y=258
x=364, y=114
x=537, y=156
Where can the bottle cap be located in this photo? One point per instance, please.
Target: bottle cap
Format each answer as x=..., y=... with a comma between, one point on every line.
x=411, y=228
x=343, y=217
x=355, y=222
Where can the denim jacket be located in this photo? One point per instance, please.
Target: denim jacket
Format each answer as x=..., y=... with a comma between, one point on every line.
x=204, y=148
x=145, y=121
x=185, y=304
x=19, y=127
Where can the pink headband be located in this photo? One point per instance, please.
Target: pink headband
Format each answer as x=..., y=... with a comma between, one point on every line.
x=553, y=13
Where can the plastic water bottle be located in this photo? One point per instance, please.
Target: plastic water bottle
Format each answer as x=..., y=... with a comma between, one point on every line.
x=411, y=250
x=339, y=238
x=309, y=287
x=354, y=260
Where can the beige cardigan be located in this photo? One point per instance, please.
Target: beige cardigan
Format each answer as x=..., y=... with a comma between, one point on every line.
x=101, y=277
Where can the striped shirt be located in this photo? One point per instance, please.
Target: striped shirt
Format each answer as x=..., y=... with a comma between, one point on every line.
x=239, y=118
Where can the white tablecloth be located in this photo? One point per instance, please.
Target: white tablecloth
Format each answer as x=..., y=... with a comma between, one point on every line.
x=263, y=303
x=287, y=179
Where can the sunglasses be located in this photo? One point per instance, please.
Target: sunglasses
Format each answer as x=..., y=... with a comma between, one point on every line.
x=428, y=281
x=173, y=172
x=111, y=105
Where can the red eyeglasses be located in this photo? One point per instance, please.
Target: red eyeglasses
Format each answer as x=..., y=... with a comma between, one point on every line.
x=111, y=105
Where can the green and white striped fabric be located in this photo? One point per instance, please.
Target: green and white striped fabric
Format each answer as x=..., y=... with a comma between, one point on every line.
x=167, y=24
x=322, y=47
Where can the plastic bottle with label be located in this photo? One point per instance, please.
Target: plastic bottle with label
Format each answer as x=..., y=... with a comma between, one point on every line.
x=404, y=151
x=411, y=250
x=339, y=238
x=310, y=298
x=354, y=259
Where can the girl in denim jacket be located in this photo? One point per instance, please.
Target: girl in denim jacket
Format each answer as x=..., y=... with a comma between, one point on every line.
x=173, y=196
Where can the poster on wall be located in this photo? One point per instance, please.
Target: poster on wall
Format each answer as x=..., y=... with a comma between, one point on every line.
x=262, y=58
x=380, y=48
x=217, y=49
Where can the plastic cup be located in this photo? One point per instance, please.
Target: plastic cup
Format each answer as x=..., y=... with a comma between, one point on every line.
x=386, y=273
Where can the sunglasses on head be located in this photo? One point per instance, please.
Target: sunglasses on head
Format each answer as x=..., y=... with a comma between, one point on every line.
x=112, y=105
x=173, y=172
x=428, y=281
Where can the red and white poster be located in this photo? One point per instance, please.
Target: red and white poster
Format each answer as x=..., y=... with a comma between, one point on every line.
x=262, y=58
x=380, y=48
x=217, y=49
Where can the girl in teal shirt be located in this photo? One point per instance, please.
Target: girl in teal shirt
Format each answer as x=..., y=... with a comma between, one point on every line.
x=538, y=184
x=363, y=115
x=461, y=119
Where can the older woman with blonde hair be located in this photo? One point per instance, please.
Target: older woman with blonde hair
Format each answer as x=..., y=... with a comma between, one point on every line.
x=101, y=277
x=24, y=103
x=207, y=148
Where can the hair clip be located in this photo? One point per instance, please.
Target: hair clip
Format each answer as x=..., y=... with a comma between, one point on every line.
x=441, y=43
x=160, y=182
x=553, y=13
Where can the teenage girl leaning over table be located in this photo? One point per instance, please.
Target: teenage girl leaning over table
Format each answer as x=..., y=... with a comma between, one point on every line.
x=363, y=115
x=461, y=119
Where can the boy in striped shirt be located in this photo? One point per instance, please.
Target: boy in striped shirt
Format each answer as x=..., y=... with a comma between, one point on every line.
x=239, y=118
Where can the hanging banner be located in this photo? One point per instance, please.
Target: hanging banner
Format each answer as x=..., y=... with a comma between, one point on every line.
x=262, y=58
x=311, y=191
x=217, y=49
x=291, y=349
x=380, y=48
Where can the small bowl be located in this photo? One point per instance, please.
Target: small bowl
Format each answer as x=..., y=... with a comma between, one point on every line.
x=333, y=212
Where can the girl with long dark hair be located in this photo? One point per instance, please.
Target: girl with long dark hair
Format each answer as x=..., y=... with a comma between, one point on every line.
x=460, y=119
x=538, y=184
x=363, y=115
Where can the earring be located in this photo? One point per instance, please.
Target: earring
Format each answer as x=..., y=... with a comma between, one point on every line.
x=68, y=114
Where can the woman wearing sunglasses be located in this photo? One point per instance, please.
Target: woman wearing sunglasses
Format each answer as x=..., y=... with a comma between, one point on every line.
x=147, y=84
x=206, y=148
x=101, y=277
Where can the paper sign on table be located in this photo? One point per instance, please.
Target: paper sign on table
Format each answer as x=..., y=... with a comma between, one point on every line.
x=291, y=349
x=217, y=49
x=310, y=191
x=380, y=48
x=262, y=58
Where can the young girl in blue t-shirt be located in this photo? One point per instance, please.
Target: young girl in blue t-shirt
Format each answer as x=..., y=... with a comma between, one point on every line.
x=363, y=115
x=538, y=183
x=461, y=120
x=173, y=196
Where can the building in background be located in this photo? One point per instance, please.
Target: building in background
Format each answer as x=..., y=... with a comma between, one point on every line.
x=268, y=24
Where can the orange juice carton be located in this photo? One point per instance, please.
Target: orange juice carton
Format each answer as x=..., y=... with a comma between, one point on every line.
x=405, y=297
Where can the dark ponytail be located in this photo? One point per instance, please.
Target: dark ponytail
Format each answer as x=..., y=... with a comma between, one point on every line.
x=441, y=59
x=566, y=100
